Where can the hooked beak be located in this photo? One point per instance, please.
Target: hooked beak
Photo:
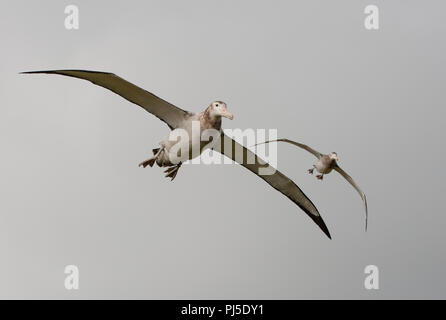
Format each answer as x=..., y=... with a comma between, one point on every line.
x=227, y=114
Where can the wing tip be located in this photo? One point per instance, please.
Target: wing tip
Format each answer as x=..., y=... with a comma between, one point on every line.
x=35, y=72
x=312, y=212
x=63, y=70
x=320, y=222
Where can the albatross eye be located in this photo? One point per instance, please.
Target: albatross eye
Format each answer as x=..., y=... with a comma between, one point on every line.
x=216, y=104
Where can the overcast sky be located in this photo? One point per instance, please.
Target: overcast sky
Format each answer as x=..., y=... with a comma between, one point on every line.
x=72, y=192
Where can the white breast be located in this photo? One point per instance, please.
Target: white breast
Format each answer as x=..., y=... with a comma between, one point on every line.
x=179, y=145
x=322, y=168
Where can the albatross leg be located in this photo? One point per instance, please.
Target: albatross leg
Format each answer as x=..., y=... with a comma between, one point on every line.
x=310, y=171
x=172, y=171
x=151, y=161
x=320, y=176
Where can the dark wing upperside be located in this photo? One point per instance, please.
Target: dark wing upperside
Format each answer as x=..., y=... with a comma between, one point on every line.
x=160, y=108
x=303, y=146
x=353, y=183
x=277, y=180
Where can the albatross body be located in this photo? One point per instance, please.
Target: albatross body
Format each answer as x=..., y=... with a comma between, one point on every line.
x=164, y=156
x=324, y=165
x=179, y=120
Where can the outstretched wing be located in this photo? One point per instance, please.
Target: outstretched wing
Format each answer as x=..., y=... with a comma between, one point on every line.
x=303, y=146
x=275, y=178
x=353, y=183
x=162, y=109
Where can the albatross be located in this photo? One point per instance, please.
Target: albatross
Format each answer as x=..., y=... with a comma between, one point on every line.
x=179, y=119
x=324, y=165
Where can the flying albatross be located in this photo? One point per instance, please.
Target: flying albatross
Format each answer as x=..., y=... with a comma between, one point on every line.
x=179, y=119
x=325, y=164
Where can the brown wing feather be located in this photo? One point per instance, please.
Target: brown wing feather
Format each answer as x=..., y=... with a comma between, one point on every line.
x=160, y=108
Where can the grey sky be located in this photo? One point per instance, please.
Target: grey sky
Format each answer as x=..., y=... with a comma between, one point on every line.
x=72, y=193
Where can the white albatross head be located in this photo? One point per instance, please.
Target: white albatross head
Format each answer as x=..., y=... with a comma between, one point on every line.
x=333, y=156
x=218, y=109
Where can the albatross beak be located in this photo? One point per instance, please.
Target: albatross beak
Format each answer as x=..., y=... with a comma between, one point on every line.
x=227, y=114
